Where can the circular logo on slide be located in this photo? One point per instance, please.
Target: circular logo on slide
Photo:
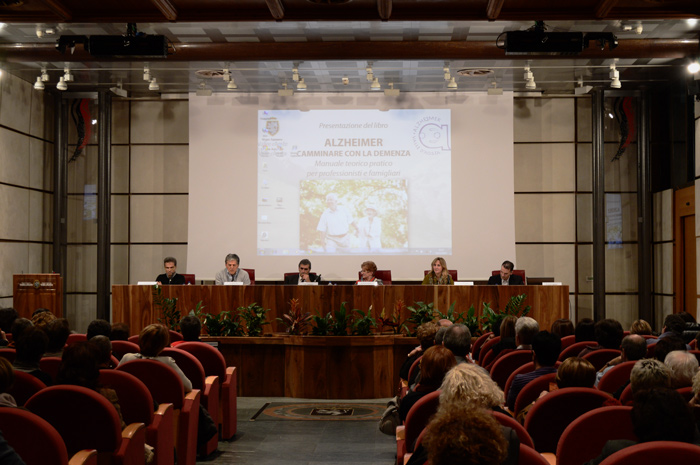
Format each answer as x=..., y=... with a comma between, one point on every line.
x=431, y=135
x=272, y=126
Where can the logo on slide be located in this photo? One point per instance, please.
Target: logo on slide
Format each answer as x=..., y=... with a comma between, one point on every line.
x=431, y=136
x=272, y=126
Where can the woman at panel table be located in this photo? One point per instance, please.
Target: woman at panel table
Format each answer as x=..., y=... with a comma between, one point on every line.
x=438, y=273
x=368, y=269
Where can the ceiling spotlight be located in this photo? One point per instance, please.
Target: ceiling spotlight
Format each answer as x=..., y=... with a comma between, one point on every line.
x=529, y=79
x=301, y=85
x=67, y=76
x=231, y=85
x=345, y=80
x=614, y=77
x=203, y=90
x=391, y=92
x=153, y=85
x=370, y=73
x=580, y=89
x=295, y=74
x=285, y=91
x=61, y=85
x=494, y=89
x=227, y=75
x=452, y=85
x=146, y=73
x=446, y=70
x=639, y=28
x=694, y=66
x=44, y=75
x=375, y=85
x=39, y=84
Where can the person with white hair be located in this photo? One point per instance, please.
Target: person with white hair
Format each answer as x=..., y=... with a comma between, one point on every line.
x=334, y=225
x=683, y=367
x=526, y=329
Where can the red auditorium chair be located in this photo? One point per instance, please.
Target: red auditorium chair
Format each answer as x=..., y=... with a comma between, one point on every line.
x=566, y=341
x=626, y=398
x=550, y=415
x=411, y=371
x=527, y=368
x=601, y=356
x=134, y=339
x=24, y=387
x=166, y=387
x=486, y=349
x=655, y=452
x=650, y=350
x=50, y=366
x=208, y=386
x=24, y=430
x=478, y=343
x=585, y=437
x=519, y=429
x=175, y=336
x=87, y=420
x=574, y=349
x=189, y=278
x=251, y=274
x=75, y=337
x=532, y=390
x=505, y=365
x=119, y=348
x=529, y=456
x=417, y=419
x=136, y=405
x=616, y=377
x=8, y=353
x=215, y=365
x=686, y=392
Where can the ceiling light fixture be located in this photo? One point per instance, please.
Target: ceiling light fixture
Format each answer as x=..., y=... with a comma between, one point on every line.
x=391, y=92
x=345, y=80
x=370, y=73
x=452, y=85
x=614, y=77
x=203, y=90
x=529, y=79
x=39, y=84
x=146, y=73
x=285, y=91
x=231, y=85
x=61, y=85
x=301, y=85
x=694, y=66
x=494, y=89
x=375, y=85
x=580, y=89
x=446, y=71
x=44, y=75
x=153, y=85
x=67, y=76
x=227, y=75
x=295, y=74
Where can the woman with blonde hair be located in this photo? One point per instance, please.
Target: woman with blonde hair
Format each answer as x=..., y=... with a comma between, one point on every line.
x=470, y=384
x=438, y=273
x=640, y=327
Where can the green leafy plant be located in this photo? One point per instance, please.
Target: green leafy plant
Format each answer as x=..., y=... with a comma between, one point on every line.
x=491, y=319
x=223, y=324
x=515, y=306
x=170, y=315
x=254, y=317
x=198, y=310
x=362, y=324
x=472, y=321
x=393, y=322
x=451, y=315
x=323, y=324
x=296, y=321
x=341, y=321
x=419, y=314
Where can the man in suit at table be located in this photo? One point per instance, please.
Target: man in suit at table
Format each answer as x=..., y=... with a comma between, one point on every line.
x=304, y=275
x=506, y=277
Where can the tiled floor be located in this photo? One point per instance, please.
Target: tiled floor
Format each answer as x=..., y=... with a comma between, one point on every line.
x=292, y=442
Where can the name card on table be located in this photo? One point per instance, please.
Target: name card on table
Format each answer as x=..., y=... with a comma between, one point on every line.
x=233, y=283
x=147, y=283
x=368, y=283
x=552, y=284
x=312, y=283
x=464, y=283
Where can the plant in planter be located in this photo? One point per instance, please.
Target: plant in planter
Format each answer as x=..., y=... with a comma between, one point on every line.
x=323, y=324
x=472, y=322
x=168, y=309
x=419, y=314
x=363, y=325
x=223, y=324
x=451, y=315
x=296, y=321
x=393, y=323
x=491, y=319
x=254, y=317
x=340, y=321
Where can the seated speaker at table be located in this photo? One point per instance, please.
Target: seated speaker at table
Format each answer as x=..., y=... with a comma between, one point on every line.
x=304, y=275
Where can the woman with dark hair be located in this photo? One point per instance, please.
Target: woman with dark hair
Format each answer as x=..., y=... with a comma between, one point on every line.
x=584, y=330
x=436, y=362
x=30, y=347
x=562, y=327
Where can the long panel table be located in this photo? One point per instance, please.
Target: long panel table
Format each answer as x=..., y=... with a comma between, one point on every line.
x=333, y=367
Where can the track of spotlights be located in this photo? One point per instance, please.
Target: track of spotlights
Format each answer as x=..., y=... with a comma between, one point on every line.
x=301, y=85
x=153, y=85
x=375, y=85
x=39, y=84
x=231, y=85
x=61, y=85
x=614, y=77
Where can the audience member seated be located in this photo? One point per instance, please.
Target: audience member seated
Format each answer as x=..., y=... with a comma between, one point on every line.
x=469, y=384
x=458, y=339
x=546, y=348
x=57, y=332
x=436, y=362
x=464, y=435
x=526, y=329
x=42, y=317
x=683, y=366
x=104, y=351
x=152, y=340
x=7, y=318
x=98, y=327
x=18, y=327
x=640, y=327
x=562, y=327
x=31, y=346
x=426, y=336
x=119, y=332
x=7, y=379
x=190, y=328
x=649, y=374
x=658, y=414
x=608, y=334
x=585, y=330
x=695, y=401
x=673, y=326
x=633, y=348
x=507, y=332
x=667, y=345
x=506, y=276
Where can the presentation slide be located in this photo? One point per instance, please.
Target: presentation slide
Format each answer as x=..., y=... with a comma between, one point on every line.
x=344, y=178
x=348, y=182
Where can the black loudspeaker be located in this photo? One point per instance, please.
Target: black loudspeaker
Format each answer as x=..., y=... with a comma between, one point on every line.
x=541, y=42
x=153, y=46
